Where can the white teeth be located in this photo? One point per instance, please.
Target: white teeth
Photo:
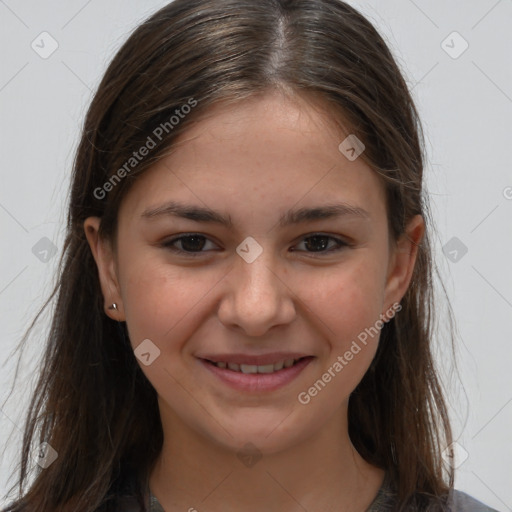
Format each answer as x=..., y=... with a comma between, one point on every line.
x=279, y=366
x=249, y=368
x=252, y=368
x=268, y=368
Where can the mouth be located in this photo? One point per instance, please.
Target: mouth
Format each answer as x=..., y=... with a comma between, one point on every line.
x=253, y=368
x=256, y=377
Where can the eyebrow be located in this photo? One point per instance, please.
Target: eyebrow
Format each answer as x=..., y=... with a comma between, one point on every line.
x=202, y=214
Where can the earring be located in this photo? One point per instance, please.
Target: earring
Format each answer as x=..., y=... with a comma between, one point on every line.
x=113, y=306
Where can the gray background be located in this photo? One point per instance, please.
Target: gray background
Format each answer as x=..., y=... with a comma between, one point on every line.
x=466, y=106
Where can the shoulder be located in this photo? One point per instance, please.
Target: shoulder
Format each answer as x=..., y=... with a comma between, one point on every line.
x=456, y=501
x=461, y=502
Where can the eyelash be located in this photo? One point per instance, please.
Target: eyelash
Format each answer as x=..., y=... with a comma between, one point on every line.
x=341, y=244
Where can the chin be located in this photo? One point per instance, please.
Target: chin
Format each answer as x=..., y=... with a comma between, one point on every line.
x=262, y=434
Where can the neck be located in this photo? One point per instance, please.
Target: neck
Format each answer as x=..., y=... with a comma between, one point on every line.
x=324, y=472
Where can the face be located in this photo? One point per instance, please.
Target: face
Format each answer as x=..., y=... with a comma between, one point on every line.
x=255, y=244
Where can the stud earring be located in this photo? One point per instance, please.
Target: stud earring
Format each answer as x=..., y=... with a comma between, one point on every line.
x=113, y=306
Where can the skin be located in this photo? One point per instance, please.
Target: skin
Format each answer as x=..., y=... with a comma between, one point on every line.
x=254, y=162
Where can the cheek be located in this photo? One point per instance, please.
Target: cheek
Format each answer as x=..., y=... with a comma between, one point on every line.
x=165, y=306
x=158, y=299
x=347, y=306
x=346, y=300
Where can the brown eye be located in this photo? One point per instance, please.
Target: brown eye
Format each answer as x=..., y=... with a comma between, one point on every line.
x=191, y=244
x=320, y=243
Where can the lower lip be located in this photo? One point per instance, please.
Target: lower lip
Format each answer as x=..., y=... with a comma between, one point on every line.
x=257, y=382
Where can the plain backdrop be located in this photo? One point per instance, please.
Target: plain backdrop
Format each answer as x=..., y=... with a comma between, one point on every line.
x=455, y=56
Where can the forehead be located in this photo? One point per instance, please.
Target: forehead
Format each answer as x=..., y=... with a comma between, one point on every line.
x=268, y=151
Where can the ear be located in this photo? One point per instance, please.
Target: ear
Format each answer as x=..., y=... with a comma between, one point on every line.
x=402, y=261
x=105, y=260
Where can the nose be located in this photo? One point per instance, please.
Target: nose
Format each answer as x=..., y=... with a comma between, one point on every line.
x=258, y=297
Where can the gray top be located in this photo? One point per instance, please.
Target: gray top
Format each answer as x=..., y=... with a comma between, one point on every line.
x=458, y=501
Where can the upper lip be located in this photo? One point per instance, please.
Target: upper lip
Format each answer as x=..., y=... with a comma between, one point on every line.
x=258, y=360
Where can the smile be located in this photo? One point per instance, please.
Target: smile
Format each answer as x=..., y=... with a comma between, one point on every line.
x=252, y=368
x=256, y=378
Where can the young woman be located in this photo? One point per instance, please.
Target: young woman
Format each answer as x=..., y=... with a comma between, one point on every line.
x=245, y=306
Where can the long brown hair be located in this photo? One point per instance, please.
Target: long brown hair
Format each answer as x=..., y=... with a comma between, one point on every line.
x=93, y=404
